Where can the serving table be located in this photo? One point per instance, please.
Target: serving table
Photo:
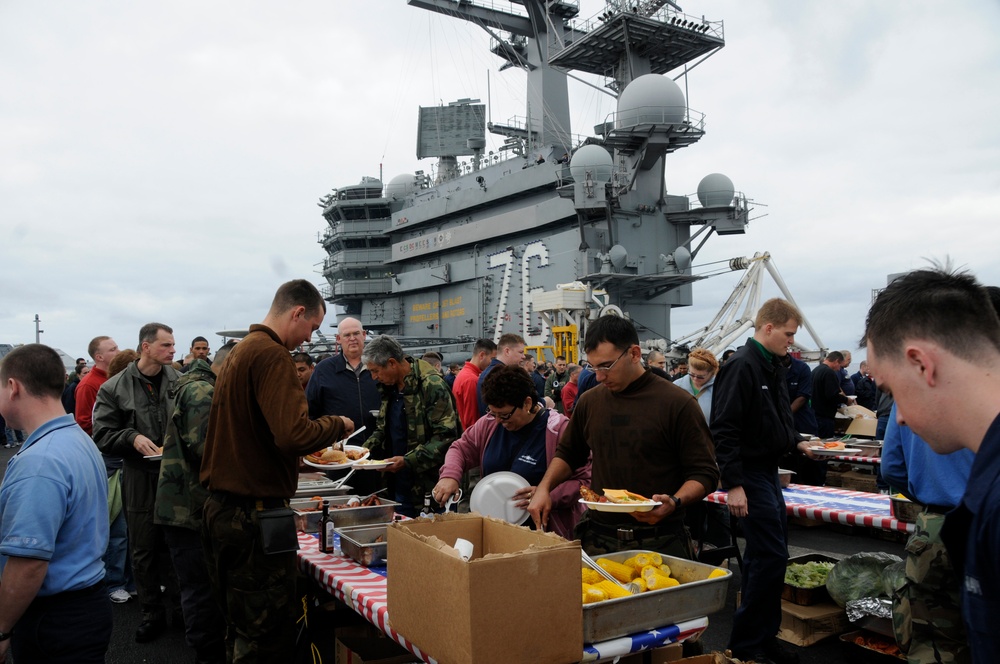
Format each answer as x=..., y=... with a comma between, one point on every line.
x=832, y=505
x=363, y=589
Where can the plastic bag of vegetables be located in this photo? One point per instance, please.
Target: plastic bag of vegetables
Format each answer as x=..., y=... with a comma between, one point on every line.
x=859, y=576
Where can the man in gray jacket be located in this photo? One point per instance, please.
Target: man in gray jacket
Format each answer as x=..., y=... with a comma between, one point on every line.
x=130, y=420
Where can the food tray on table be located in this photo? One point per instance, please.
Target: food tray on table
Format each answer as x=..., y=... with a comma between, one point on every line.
x=696, y=596
x=807, y=596
x=365, y=545
x=307, y=516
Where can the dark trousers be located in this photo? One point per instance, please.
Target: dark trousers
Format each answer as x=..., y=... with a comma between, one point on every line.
x=150, y=559
x=255, y=590
x=669, y=539
x=204, y=625
x=765, y=528
x=72, y=628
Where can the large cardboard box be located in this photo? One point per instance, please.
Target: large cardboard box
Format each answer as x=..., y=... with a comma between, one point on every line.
x=516, y=600
x=805, y=625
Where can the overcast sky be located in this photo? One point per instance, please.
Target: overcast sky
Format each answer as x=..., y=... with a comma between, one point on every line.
x=162, y=161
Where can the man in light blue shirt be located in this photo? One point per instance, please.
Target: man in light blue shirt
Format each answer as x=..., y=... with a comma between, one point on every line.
x=53, y=522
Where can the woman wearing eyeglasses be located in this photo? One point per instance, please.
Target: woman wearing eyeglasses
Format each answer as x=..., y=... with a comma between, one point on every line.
x=518, y=434
x=700, y=378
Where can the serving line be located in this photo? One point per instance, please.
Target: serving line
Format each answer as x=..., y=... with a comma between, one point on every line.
x=363, y=589
x=832, y=505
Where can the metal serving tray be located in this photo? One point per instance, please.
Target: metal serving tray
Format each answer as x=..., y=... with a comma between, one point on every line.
x=358, y=543
x=308, y=522
x=696, y=596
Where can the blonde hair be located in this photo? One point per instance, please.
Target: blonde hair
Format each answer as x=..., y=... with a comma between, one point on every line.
x=777, y=312
x=703, y=360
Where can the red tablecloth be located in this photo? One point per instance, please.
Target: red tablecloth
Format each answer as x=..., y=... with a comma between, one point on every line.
x=825, y=503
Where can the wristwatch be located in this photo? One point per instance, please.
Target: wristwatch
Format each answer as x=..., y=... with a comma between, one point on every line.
x=5, y=635
x=677, y=501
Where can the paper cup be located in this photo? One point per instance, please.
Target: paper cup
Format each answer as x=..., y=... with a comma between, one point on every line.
x=464, y=548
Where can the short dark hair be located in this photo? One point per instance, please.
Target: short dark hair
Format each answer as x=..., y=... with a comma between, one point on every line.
x=148, y=332
x=618, y=331
x=81, y=360
x=482, y=345
x=509, y=340
x=508, y=385
x=298, y=293
x=37, y=367
x=197, y=339
x=950, y=308
x=305, y=358
x=835, y=356
x=223, y=353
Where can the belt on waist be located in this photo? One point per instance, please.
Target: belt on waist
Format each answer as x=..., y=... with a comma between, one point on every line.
x=631, y=533
x=232, y=500
x=65, y=595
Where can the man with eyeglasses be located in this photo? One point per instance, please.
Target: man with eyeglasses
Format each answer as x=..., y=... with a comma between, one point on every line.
x=646, y=435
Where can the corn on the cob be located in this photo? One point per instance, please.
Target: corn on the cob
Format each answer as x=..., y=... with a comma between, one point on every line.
x=716, y=573
x=653, y=570
x=592, y=594
x=590, y=576
x=621, y=572
x=612, y=589
x=659, y=582
x=638, y=561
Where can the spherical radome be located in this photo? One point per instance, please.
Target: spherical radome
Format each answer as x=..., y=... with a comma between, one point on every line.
x=651, y=99
x=591, y=158
x=401, y=185
x=716, y=190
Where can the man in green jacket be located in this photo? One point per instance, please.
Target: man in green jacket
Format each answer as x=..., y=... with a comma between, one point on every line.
x=130, y=421
x=416, y=422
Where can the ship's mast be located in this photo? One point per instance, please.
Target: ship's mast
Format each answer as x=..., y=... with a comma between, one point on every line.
x=529, y=42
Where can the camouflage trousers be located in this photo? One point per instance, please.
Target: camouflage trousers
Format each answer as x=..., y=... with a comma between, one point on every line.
x=597, y=539
x=256, y=590
x=926, y=612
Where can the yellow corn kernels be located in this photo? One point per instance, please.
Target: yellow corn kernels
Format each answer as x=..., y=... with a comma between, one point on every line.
x=623, y=573
x=592, y=594
x=591, y=576
x=612, y=589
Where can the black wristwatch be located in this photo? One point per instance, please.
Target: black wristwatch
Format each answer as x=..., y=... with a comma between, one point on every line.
x=677, y=501
x=5, y=635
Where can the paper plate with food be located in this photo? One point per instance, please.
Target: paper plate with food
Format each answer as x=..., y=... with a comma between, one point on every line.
x=616, y=500
x=372, y=464
x=833, y=448
x=332, y=458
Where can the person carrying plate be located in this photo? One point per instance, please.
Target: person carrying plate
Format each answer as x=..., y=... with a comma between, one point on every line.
x=519, y=434
x=646, y=435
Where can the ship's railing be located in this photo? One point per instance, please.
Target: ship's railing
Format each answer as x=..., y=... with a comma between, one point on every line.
x=358, y=257
x=655, y=115
x=664, y=14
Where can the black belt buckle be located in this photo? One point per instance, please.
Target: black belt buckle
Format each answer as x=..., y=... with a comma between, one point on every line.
x=626, y=535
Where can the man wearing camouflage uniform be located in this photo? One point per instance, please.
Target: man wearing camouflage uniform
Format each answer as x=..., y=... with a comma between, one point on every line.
x=180, y=499
x=416, y=422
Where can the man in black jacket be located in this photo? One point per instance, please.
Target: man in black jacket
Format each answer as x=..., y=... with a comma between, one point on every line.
x=827, y=395
x=752, y=428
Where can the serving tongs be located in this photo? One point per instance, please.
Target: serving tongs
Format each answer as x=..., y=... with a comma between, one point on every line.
x=631, y=587
x=339, y=445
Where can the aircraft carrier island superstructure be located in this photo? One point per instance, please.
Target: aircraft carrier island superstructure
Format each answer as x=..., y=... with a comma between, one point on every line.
x=478, y=246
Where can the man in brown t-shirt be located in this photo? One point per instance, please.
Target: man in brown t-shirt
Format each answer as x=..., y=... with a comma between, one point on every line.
x=646, y=435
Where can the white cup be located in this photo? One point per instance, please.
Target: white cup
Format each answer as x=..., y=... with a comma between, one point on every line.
x=464, y=548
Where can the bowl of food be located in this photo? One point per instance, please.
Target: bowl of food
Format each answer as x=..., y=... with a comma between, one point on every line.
x=785, y=477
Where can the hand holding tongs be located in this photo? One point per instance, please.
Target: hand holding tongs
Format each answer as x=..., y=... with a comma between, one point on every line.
x=339, y=445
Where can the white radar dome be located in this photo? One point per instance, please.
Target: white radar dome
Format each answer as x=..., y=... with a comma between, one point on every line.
x=651, y=98
x=401, y=185
x=591, y=158
x=716, y=190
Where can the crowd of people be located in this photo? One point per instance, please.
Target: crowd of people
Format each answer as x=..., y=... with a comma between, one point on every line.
x=171, y=484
